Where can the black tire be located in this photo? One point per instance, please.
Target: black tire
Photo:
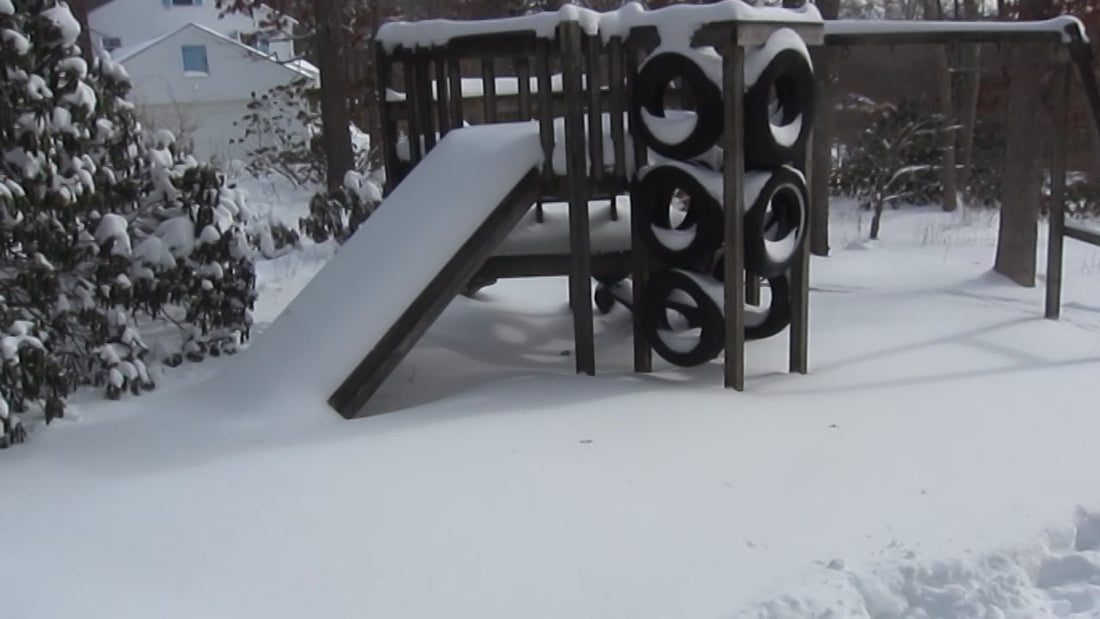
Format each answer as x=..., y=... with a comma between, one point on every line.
x=763, y=322
x=699, y=234
x=790, y=76
x=697, y=311
x=775, y=223
x=649, y=92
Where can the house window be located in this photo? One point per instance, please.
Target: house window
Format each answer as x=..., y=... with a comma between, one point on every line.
x=111, y=43
x=194, y=59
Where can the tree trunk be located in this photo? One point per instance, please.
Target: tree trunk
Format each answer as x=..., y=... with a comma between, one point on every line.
x=876, y=219
x=1017, y=238
x=822, y=140
x=335, y=135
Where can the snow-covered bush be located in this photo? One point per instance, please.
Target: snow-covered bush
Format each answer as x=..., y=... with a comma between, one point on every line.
x=102, y=226
x=896, y=159
x=281, y=135
x=339, y=214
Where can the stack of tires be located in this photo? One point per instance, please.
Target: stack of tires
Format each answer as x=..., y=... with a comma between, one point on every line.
x=680, y=211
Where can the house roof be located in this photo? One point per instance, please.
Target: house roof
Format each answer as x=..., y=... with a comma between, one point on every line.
x=297, y=66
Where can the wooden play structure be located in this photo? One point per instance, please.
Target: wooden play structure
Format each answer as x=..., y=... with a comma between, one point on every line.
x=572, y=78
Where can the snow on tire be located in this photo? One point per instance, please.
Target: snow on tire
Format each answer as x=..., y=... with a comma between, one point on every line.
x=682, y=317
x=676, y=134
x=773, y=313
x=775, y=220
x=680, y=237
x=778, y=102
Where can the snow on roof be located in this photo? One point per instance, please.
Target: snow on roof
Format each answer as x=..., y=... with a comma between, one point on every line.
x=669, y=20
x=897, y=26
x=300, y=67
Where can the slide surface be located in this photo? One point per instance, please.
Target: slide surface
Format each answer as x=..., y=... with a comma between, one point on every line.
x=393, y=262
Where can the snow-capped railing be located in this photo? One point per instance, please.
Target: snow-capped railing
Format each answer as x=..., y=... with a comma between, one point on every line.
x=900, y=32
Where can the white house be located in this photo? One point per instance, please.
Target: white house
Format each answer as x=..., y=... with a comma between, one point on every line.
x=121, y=24
x=197, y=82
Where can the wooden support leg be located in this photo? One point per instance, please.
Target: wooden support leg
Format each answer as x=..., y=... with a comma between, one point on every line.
x=580, y=275
x=800, y=281
x=1056, y=228
x=733, y=80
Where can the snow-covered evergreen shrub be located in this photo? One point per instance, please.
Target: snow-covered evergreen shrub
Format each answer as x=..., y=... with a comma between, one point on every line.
x=338, y=214
x=896, y=158
x=101, y=226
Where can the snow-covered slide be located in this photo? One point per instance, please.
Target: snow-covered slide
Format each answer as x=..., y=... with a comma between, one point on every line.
x=359, y=316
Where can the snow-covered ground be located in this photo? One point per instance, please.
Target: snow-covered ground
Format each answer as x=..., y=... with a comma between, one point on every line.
x=940, y=460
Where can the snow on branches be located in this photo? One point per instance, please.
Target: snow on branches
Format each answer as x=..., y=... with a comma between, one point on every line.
x=104, y=228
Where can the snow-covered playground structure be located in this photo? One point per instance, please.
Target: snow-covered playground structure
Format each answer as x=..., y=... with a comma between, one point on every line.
x=579, y=109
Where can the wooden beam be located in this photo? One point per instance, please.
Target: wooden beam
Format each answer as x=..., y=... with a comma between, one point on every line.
x=384, y=68
x=443, y=93
x=733, y=81
x=938, y=38
x=640, y=264
x=489, y=87
x=1057, y=217
x=523, y=74
x=546, y=113
x=799, y=352
x=424, y=98
x=1082, y=233
x=454, y=77
x=592, y=56
x=413, y=97
x=618, y=106
x=608, y=265
x=580, y=276
x=350, y=397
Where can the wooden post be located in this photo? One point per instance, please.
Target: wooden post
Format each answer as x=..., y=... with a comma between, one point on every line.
x=489, y=89
x=412, y=107
x=424, y=92
x=546, y=113
x=442, y=92
x=798, y=359
x=384, y=66
x=617, y=108
x=523, y=75
x=1057, y=221
x=595, y=111
x=580, y=276
x=639, y=254
x=454, y=76
x=733, y=85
